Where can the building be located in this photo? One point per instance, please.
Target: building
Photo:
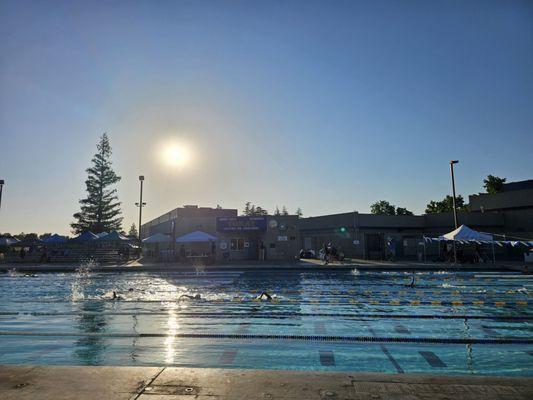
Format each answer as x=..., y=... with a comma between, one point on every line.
x=371, y=236
x=514, y=202
x=274, y=238
x=357, y=235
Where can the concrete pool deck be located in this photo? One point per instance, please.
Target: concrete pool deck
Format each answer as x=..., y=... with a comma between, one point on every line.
x=170, y=383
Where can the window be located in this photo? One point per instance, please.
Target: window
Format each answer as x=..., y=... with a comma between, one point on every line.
x=237, y=244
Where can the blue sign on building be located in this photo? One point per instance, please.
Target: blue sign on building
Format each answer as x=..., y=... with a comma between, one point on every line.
x=241, y=224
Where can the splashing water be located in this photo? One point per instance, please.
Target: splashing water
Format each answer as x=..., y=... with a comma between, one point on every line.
x=355, y=271
x=76, y=291
x=87, y=265
x=77, y=287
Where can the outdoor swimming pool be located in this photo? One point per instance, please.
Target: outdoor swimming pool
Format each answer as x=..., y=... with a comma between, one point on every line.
x=332, y=320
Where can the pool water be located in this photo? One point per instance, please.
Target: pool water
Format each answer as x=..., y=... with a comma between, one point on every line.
x=331, y=320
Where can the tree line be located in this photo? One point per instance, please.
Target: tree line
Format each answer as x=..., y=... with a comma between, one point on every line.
x=492, y=184
x=253, y=210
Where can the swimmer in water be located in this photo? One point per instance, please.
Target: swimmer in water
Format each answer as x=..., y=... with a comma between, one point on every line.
x=115, y=296
x=264, y=296
x=188, y=296
x=413, y=281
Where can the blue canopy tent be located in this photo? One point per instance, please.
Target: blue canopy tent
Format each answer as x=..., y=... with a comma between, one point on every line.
x=86, y=236
x=197, y=246
x=8, y=241
x=157, y=238
x=196, y=237
x=55, y=239
x=113, y=236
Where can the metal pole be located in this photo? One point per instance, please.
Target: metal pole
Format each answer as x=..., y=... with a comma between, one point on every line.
x=141, y=178
x=453, y=191
x=1, y=187
x=454, y=208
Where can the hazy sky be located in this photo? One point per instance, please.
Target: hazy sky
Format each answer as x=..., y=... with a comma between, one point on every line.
x=326, y=105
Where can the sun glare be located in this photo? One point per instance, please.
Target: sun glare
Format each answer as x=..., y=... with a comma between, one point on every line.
x=176, y=155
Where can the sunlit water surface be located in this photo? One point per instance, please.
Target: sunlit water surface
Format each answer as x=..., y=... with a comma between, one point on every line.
x=318, y=320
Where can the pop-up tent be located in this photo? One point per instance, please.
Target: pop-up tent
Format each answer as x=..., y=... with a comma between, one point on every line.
x=196, y=237
x=113, y=236
x=55, y=239
x=466, y=234
x=197, y=246
x=8, y=241
x=86, y=236
x=157, y=238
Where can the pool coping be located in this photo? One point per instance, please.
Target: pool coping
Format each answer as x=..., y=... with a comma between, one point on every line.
x=295, y=266
x=166, y=383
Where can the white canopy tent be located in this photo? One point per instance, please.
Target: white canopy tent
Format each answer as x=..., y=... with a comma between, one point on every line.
x=466, y=234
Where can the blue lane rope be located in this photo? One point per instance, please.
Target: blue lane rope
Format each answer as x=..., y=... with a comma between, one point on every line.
x=503, y=302
x=319, y=338
x=285, y=314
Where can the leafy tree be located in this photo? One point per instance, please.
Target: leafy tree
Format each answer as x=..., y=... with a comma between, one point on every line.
x=45, y=236
x=133, y=231
x=260, y=211
x=284, y=211
x=100, y=210
x=445, y=205
x=27, y=236
x=493, y=184
x=383, y=207
x=403, y=211
x=299, y=212
x=276, y=211
x=251, y=210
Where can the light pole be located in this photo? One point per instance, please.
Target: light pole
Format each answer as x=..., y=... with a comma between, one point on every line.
x=453, y=191
x=1, y=187
x=456, y=223
x=140, y=204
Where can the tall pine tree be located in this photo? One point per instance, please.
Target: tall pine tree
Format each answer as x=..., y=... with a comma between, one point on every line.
x=100, y=210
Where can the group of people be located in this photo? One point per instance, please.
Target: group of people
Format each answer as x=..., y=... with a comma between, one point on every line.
x=264, y=296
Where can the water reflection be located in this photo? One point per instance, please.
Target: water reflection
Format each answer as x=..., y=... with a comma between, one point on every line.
x=90, y=350
x=172, y=329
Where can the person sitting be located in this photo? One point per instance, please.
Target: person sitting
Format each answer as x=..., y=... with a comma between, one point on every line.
x=525, y=270
x=264, y=296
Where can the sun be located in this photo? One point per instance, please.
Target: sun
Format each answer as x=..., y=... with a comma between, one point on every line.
x=176, y=155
